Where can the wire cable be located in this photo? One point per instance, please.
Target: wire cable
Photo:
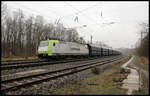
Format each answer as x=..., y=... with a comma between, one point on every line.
x=82, y=13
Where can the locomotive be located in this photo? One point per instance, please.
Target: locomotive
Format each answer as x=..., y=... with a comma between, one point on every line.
x=62, y=49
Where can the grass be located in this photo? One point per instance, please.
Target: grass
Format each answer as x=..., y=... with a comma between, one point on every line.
x=96, y=70
x=145, y=60
x=136, y=62
x=101, y=84
x=140, y=65
x=145, y=86
x=18, y=58
x=145, y=82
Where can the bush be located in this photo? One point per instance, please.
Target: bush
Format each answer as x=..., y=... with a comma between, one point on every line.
x=127, y=70
x=119, y=79
x=116, y=79
x=96, y=70
x=123, y=70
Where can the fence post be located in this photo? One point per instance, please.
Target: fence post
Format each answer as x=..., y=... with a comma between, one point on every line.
x=140, y=80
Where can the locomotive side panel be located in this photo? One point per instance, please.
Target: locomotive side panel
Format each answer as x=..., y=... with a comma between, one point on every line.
x=69, y=48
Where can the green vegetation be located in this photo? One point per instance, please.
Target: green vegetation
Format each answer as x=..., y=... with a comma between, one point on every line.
x=142, y=52
x=144, y=88
x=145, y=82
x=119, y=77
x=137, y=63
x=96, y=70
x=123, y=70
x=102, y=83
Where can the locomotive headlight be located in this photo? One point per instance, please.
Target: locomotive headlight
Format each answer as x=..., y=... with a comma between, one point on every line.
x=43, y=48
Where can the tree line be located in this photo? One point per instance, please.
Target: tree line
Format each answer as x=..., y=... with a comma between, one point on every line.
x=21, y=35
x=143, y=47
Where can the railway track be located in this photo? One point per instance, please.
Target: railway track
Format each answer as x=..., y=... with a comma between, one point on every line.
x=52, y=67
x=16, y=83
x=21, y=61
x=38, y=63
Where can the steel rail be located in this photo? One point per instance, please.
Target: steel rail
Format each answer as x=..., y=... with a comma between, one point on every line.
x=50, y=76
x=22, y=77
x=14, y=66
x=16, y=61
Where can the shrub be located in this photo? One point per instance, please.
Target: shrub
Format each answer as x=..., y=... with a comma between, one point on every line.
x=116, y=79
x=96, y=70
x=122, y=70
x=127, y=70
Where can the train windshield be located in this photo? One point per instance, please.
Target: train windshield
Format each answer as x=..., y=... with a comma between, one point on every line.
x=44, y=43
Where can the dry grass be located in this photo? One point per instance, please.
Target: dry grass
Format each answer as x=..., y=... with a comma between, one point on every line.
x=99, y=84
x=145, y=81
x=145, y=60
x=139, y=64
x=18, y=58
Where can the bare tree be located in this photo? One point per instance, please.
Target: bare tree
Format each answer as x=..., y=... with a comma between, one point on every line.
x=143, y=48
x=21, y=35
x=4, y=11
x=28, y=30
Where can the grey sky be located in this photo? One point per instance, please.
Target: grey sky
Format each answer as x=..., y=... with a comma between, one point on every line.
x=126, y=15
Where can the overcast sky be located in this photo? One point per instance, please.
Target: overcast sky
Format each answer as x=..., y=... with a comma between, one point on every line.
x=114, y=23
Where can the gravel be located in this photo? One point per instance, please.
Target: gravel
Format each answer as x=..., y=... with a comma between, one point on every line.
x=47, y=88
x=8, y=74
x=47, y=67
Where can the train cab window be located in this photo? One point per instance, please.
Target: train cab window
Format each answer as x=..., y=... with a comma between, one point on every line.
x=54, y=44
x=44, y=43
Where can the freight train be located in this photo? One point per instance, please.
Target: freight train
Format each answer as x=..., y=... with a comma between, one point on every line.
x=62, y=49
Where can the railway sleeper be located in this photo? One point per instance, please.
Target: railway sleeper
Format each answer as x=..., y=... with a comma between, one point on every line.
x=50, y=77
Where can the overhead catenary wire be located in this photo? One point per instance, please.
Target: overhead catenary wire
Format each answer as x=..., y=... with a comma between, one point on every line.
x=82, y=11
x=60, y=18
x=83, y=14
x=76, y=18
x=79, y=11
x=35, y=11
